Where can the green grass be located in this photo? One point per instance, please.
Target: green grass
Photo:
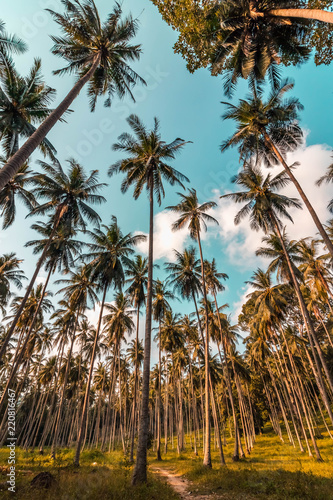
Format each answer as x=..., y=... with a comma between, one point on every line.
x=100, y=476
x=273, y=471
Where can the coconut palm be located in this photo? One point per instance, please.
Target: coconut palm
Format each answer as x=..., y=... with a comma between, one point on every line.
x=106, y=256
x=24, y=103
x=68, y=199
x=9, y=44
x=14, y=191
x=98, y=54
x=256, y=36
x=10, y=273
x=264, y=206
x=194, y=216
x=160, y=305
x=137, y=277
x=268, y=130
x=146, y=167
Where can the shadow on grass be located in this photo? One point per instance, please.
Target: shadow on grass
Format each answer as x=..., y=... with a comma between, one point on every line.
x=249, y=483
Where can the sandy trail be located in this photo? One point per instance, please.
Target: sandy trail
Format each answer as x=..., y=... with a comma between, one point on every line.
x=180, y=485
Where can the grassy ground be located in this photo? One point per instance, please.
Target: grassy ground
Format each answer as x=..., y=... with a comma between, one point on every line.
x=273, y=471
x=101, y=476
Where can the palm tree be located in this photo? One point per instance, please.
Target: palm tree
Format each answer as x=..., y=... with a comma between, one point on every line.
x=145, y=166
x=107, y=253
x=98, y=54
x=269, y=130
x=13, y=191
x=136, y=272
x=68, y=199
x=24, y=103
x=256, y=36
x=119, y=322
x=160, y=305
x=264, y=206
x=195, y=217
x=184, y=275
x=9, y=274
x=9, y=44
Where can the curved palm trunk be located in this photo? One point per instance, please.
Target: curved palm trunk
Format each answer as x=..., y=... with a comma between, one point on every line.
x=316, y=14
x=305, y=199
x=207, y=461
x=16, y=161
x=308, y=325
x=140, y=469
x=87, y=394
x=135, y=386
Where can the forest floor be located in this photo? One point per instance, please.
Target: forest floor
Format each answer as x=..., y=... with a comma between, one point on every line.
x=273, y=471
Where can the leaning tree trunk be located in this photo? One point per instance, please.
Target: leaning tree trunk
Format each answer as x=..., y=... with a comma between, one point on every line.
x=140, y=469
x=87, y=394
x=26, y=340
x=305, y=199
x=312, y=14
x=207, y=461
x=307, y=322
x=58, y=215
x=17, y=160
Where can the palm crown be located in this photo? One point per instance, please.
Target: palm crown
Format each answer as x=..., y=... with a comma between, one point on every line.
x=24, y=102
x=147, y=164
x=87, y=38
x=251, y=43
x=256, y=118
x=71, y=194
x=262, y=204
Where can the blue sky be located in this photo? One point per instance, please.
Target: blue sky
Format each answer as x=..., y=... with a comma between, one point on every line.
x=188, y=106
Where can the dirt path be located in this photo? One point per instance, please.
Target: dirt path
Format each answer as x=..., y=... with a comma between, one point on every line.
x=181, y=485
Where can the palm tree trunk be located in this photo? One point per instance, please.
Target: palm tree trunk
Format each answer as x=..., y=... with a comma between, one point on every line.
x=26, y=340
x=87, y=394
x=17, y=160
x=158, y=450
x=305, y=199
x=312, y=14
x=207, y=461
x=135, y=385
x=307, y=322
x=140, y=469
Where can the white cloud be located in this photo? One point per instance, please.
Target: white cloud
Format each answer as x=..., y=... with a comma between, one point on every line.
x=165, y=240
x=241, y=242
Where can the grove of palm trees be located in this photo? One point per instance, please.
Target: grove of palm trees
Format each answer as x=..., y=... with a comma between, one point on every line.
x=166, y=261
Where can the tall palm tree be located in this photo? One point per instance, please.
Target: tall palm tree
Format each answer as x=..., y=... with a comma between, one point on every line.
x=184, y=275
x=68, y=199
x=9, y=44
x=107, y=253
x=264, y=206
x=137, y=277
x=268, y=130
x=160, y=305
x=194, y=216
x=98, y=54
x=24, y=103
x=13, y=191
x=10, y=273
x=146, y=167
